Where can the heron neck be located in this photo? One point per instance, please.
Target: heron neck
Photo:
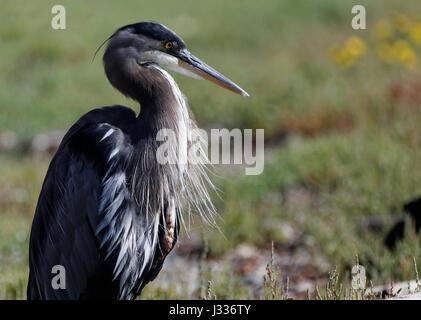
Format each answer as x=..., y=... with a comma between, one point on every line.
x=166, y=109
x=164, y=121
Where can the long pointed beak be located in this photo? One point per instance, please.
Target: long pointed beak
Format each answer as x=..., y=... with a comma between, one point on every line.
x=193, y=64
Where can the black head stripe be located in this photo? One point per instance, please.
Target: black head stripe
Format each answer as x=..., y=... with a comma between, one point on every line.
x=155, y=31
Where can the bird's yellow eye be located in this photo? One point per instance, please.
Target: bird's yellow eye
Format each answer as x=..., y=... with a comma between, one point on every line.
x=168, y=45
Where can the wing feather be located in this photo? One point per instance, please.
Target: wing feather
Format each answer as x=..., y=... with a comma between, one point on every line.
x=64, y=230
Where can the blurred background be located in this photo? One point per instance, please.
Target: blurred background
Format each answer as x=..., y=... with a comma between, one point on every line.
x=341, y=111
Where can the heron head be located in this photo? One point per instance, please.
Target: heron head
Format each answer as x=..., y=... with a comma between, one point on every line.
x=149, y=42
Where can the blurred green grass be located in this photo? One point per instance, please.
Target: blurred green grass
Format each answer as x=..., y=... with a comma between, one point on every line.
x=354, y=146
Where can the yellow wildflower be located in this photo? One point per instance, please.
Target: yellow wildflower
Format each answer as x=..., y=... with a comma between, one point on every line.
x=405, y=54
x=340, y=56
x=346, y=54
x=355, y=46
x=403, y=23
x=415, y=33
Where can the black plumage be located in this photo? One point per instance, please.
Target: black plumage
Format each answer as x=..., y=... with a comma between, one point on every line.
x=66, y=218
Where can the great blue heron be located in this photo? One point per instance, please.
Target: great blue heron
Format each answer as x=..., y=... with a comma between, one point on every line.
x=108, y=212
